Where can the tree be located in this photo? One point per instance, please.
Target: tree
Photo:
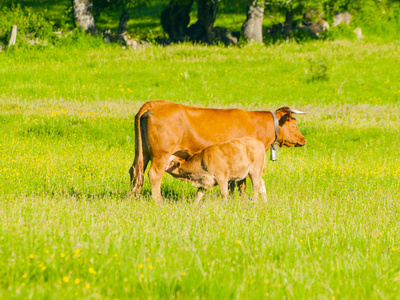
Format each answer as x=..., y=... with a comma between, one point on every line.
x=175, y=19
x=206, y=15
x=201, y=31
x=82, y=14
x=123, y=21
x=252, y=27
x=293, y=7
x=124, y=6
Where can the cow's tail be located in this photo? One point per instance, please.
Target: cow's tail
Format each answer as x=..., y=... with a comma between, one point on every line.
x=136, y=172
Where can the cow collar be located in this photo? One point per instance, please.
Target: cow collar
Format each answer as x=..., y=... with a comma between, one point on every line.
x=275, y=144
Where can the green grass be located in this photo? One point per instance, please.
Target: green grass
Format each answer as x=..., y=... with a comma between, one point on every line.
x=357, y=72
x=329, y=230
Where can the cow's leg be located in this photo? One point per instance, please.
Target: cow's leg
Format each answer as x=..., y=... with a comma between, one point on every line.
x=155, y=175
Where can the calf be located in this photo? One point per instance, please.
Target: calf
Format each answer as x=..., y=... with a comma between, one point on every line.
x=220, y=164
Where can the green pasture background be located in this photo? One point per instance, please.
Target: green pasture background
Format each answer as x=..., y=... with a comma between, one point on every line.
x=330, y=229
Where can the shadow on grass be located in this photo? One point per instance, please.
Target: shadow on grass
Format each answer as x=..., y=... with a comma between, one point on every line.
x=167, y=193
x=119, y=194
x=175, y=195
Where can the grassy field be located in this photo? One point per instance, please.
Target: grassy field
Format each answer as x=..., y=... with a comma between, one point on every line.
x=330, y=229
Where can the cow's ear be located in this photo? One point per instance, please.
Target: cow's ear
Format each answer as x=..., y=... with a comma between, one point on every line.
x=284, y=118
x=182, y=154
x=284, y=109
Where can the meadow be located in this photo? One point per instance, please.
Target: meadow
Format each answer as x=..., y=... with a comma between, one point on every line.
x=330, y=228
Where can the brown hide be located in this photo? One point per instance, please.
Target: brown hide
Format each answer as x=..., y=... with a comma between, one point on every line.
x=221, y=163
x=163, y=128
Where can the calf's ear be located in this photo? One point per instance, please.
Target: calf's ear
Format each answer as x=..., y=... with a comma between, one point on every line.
x=182, y=154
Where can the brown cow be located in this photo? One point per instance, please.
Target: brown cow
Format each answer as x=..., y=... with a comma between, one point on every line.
x=163, y=128
x=221, y=163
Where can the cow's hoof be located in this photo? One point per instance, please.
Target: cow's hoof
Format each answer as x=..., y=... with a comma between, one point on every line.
x=158, y=201
x=131, y=194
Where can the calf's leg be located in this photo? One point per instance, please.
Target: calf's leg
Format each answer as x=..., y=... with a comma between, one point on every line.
x=258, y=187
x=232, y=185
x=263, y=191
x=256, y=182
x=223, y=187
x=199, y=194
x=241, y=186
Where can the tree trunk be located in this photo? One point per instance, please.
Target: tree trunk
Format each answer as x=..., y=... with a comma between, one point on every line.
x=201, y=31
x=82, y=13
x=175, y=19
x=123, y=21
x=252, y=27
x=13, y=36
x=288, y=24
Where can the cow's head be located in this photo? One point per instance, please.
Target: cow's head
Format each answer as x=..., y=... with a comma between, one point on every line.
x=289, y=134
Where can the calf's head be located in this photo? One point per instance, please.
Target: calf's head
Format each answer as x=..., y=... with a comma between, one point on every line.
x=175, y=163
x=289, y=134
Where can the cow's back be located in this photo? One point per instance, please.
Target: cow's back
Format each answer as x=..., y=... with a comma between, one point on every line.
x=188, y=128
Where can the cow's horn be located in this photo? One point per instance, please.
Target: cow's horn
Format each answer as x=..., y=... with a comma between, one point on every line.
x=293, y=111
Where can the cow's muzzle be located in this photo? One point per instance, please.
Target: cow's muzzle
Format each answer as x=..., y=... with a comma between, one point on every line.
x=301, y=142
